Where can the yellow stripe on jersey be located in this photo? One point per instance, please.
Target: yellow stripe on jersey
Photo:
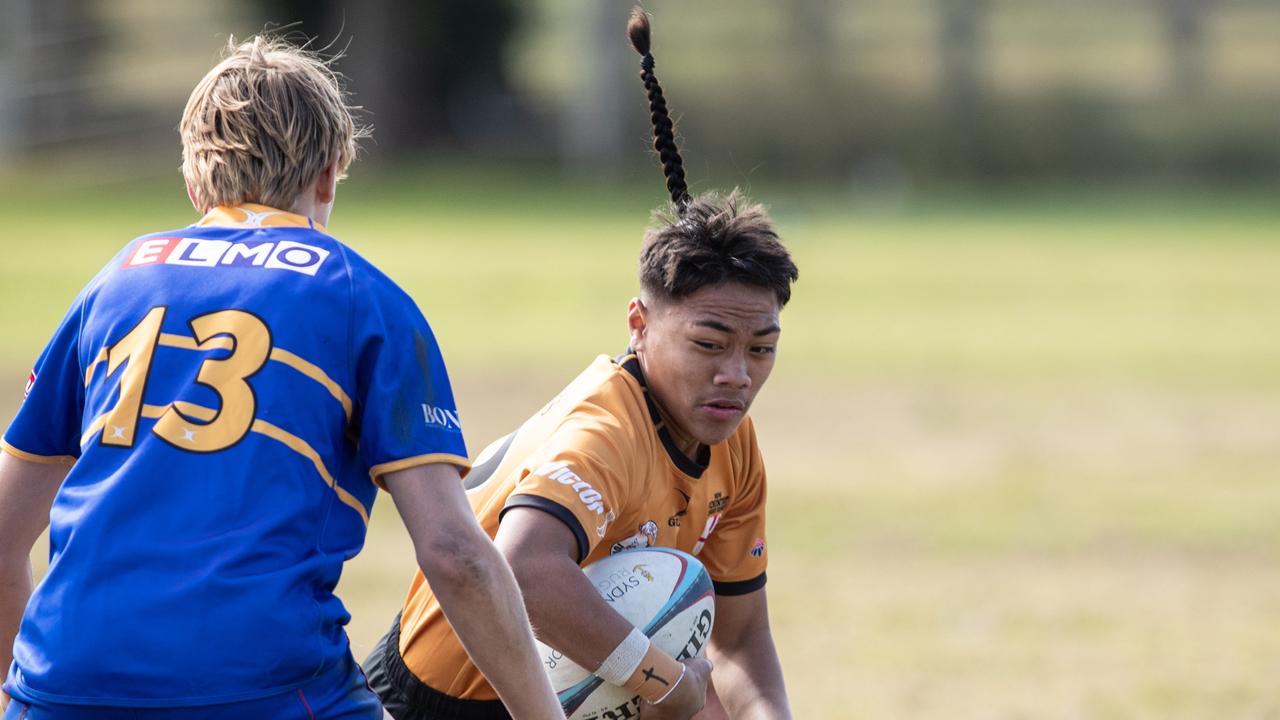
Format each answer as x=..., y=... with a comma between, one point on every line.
x=377, y=471
x=198, y=412
x=280, y=355
x=300, y=446
x=189, y=343
x=94, y=427
x=314, y=372
x=88, y=374
x=262, y=427
x=32, y=457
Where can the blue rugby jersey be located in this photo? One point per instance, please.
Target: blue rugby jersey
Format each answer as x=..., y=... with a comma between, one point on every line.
x=229, y=394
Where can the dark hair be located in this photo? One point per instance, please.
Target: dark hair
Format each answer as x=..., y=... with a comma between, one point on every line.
x=664, y=139
x=715, y=240
x=708, y=240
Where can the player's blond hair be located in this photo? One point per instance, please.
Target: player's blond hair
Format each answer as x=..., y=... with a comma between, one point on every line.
x=263, y=124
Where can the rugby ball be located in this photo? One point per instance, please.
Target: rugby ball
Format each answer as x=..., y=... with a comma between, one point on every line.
x=666, y=593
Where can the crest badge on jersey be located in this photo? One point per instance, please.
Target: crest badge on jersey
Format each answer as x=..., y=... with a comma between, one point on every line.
x=709, y=528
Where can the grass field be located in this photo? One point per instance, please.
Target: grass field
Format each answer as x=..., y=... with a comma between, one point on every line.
x=1023, y=447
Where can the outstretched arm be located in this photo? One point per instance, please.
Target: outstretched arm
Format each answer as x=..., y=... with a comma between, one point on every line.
x=748, y=674
x=477, y=592
x=26, y=493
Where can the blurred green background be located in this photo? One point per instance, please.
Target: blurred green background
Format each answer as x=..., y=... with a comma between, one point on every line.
x=1024, y=434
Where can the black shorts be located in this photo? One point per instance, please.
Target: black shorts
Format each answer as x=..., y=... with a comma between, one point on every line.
x=408, y=698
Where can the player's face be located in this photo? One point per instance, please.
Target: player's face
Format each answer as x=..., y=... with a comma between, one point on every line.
x=706, y=356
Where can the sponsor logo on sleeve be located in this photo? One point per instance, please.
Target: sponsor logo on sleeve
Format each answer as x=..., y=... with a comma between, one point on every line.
x=31, y=381
x=590, y=497
x=442, y=418
x=202, y=252
x=758, y=548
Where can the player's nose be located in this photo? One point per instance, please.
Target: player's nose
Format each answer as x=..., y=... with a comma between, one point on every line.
x=732, y=372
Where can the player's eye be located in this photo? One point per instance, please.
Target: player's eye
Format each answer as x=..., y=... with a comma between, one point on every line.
x=705, y=345
x=764, y=349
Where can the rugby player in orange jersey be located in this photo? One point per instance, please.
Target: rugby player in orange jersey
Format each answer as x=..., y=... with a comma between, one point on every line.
x=653, y=447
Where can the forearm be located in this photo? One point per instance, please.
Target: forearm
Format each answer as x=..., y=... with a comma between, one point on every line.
x=475, y=587
x=558, y=623
x=748, y=675
x=749, y=680
x=26, y=492
x=15, y=590
x=485, y=609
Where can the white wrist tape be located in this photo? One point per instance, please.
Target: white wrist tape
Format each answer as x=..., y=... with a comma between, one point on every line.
x=624, y=659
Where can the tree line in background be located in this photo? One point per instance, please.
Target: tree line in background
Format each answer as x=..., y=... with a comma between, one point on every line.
x=438, y=75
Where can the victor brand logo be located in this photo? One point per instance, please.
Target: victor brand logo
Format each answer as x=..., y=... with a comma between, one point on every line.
x=200, y=252
x=31, y=381
x=560, y=472
x=441, y=417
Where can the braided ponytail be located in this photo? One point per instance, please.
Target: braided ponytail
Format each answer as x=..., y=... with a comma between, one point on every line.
x=664, y=140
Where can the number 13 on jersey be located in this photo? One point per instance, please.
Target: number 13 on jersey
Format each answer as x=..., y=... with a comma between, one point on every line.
x=244, y=334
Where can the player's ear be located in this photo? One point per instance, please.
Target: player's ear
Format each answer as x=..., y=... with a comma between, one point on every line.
x=191, y=195
x=327, y=183
x=637, y=323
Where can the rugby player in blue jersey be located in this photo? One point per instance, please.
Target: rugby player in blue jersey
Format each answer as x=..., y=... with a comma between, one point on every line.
x=206, y=432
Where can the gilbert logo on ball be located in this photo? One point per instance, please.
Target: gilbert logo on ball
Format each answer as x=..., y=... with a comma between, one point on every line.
x=666, y=593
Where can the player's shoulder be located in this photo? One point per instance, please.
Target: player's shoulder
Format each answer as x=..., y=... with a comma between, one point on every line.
x=603, y=405
x=371, y=283
x=605, y=393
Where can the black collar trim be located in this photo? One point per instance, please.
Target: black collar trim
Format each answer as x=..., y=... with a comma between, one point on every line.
x=693, y=467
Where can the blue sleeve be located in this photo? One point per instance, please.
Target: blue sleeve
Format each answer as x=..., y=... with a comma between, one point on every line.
x=48, y=424
x=405, y=406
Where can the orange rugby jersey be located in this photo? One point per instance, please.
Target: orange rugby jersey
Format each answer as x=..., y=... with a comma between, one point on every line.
x=598, y=458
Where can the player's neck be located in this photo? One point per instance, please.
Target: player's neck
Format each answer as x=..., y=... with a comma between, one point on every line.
x=683, y=441
x=309, y=208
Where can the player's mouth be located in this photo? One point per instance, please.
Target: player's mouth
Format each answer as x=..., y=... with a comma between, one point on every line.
x=723, y=409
